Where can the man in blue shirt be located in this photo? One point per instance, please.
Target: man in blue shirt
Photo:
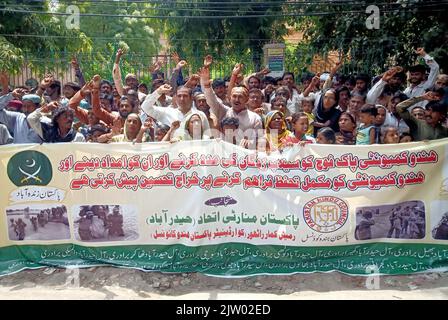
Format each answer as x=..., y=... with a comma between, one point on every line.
x=16, y=121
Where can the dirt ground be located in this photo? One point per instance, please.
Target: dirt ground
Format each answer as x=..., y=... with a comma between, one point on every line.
x=107, y=283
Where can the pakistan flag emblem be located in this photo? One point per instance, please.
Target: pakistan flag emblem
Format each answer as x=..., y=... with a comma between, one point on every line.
x=30, y=168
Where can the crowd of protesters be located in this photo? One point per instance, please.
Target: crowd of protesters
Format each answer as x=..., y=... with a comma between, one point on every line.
x=254, y=111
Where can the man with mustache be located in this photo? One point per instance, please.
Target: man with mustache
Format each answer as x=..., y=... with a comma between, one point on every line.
x=417, y=77
x=432, y=127
x=249, y=121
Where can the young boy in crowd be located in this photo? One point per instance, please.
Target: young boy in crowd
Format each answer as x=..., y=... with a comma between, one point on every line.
x=366, y=130
x=307, y=108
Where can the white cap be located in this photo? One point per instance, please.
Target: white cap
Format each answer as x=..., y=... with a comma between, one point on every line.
x=324, y=76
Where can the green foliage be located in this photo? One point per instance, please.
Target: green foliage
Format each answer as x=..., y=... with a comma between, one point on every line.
x=404, y=26
x=48, y=45
x=298, y=57
x=20, y=40
x=139, y=37
x=11, y=58
x=43, y=38
x=228, y=40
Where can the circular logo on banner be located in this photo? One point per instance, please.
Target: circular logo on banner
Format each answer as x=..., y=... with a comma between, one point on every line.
x=325, y=214
x=28, y=168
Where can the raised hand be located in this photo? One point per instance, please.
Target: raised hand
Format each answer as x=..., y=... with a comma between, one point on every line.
x=204, y=74
x=164, y=89
x=18, y=93
x=208, y=61
x=50, y=107
x=430, y=96
x=175, y=57
x=259, y=111
x=193, y=81
x=154, y=67
x=398, y=69
x=337, y=66
x=47, y=81
x=96, y=80
x=391, y=72
x=265, y=71
x=237, y=69
x=316, y=79
x=87, y=88
x=181, y=64
x=239, y=78
x=120, y=52
x=420, y=51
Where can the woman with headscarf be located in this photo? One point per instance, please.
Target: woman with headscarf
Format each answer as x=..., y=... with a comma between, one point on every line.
x=276, y=131
x=131, y=129
x=193, y=129
x=347, y=126
x=326, y=113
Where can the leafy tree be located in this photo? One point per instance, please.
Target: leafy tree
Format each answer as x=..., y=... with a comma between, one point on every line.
x=404, y=26
x=47, y=45
x=230, y=40
x=32, y=34
x=139, y=37
x=327, y=26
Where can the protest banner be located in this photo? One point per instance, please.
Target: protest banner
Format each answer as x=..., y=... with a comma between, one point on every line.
x=215, y=208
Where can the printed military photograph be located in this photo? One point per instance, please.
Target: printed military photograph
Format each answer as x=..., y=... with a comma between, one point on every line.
x=38, y=222
x=404, y=220
x=96, y=223
x=439, y=219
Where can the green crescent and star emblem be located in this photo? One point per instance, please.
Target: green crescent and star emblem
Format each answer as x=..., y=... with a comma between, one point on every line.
x=30, y=168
